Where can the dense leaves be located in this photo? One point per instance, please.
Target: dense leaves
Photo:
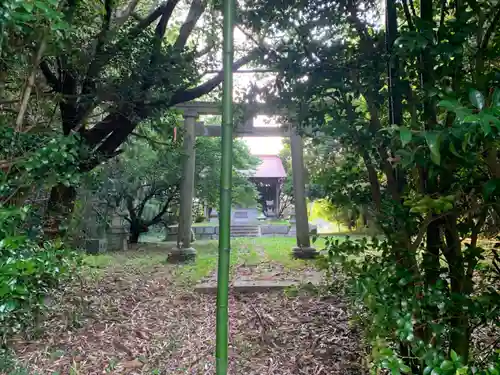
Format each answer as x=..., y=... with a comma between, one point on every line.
x=101, y=69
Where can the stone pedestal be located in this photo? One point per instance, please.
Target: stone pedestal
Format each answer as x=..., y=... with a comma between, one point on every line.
x=117, y=235
x=95, y=245
x=304, y=252
x=183, y=255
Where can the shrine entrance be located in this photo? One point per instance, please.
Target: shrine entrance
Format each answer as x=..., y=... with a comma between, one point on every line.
x=193, y=128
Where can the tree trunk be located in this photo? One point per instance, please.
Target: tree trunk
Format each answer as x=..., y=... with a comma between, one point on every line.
x=137, y=227
x=460, y=329
x=134, y=235
x=59, y=209
x=431, y=255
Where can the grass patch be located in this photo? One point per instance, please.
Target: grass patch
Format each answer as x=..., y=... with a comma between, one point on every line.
x=205, y=263
x=151, y=258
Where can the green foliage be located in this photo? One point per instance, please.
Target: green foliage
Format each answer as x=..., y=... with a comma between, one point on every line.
x=31, y=269
x=200, y=219
x=29, y=17
x=37, y=161
x=389, y=300
x=28, y=273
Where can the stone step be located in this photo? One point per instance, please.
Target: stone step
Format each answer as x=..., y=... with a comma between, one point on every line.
x=245, y=230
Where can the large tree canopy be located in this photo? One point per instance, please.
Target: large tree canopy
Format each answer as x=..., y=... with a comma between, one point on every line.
x=99, y=69
x=121, y=64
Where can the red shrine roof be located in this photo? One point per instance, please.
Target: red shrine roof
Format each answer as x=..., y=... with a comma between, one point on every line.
x=271, y=167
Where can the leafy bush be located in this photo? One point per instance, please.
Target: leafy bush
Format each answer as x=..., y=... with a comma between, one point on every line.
x=200, y=219
x=409, y=326
x=28, y=273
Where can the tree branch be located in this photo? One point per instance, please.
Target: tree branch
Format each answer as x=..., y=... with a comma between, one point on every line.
x=122, y=16
x=195, y=11
x=68, y=106
x=94, y=67
x=145, y=200
x=135, y=134
x=104, y=128
x=205, y=50
x=408, y=15
x=422, y=231
x=30, y=82
x=119, y=131
x=166, y=8
x=491, y=28
x=161, y=29
x=164, y=209
x=412, y=6
x=194, y=93
x=129, y=201
x=166, y=15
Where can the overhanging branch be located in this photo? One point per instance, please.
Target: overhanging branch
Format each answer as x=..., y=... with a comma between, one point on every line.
x=195, y=11
x=102, y=59
x=95, y=66
x=194, y=93
x=164, y=209
x=122, y=16
x=491, y=28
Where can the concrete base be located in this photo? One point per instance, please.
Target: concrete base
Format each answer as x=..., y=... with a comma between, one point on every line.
x=304, y=252
x=182, y=255
x=260, y=286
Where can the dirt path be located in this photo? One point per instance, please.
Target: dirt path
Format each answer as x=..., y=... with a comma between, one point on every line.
x=145, y=324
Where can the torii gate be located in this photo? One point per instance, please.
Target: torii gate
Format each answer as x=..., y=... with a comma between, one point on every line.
x=192, y=129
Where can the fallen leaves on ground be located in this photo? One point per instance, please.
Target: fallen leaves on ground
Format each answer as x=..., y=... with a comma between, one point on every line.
x=143, y=323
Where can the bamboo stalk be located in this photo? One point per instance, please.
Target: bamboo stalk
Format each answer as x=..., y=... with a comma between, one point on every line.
x=225, y=193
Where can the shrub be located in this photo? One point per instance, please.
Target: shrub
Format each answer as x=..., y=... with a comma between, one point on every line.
x=408, y=326
x=200, y=219
x=28, y=273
